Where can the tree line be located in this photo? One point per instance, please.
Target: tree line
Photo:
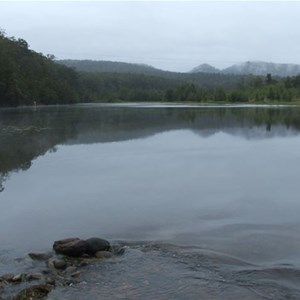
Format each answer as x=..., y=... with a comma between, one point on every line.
x=28, y=77
x=254, y=89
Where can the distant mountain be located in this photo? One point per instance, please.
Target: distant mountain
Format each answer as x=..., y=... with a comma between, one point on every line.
x=253, y=67
x=102, y=66
x=205, y=68
x=207, y=77
x=263, y=68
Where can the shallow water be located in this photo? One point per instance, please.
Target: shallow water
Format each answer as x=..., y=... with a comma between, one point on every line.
x=205, y=198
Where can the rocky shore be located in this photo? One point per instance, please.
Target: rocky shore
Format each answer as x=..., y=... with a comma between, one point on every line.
x=60, y=267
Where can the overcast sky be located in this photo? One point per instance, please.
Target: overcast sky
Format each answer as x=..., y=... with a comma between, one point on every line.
x=173, y=36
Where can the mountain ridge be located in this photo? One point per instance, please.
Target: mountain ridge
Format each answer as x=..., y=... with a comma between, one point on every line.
x=106, y=66
x=260, y=68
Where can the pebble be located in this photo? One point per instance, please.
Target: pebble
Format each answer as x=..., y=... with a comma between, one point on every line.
x=50, y=280
x=75, y=274
x=40, y=256
x=35, y=276
x=71, y=269
x=34, y=292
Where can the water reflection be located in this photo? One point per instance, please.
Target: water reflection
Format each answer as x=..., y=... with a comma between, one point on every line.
x=26, y=134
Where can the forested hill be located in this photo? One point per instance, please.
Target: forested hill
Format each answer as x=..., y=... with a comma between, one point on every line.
x=27, y=77
x=203, y=79
x=103, y=66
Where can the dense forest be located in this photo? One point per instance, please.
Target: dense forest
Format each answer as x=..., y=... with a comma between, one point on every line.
x=28, y=77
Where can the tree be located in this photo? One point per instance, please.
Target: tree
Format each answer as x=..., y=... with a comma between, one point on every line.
x=220, y=95
x=269, y=79
x=22, y=43
x=169, y=95
x=2, y=32
x=51, y=56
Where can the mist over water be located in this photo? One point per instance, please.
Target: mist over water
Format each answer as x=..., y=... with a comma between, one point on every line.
x=207, y=194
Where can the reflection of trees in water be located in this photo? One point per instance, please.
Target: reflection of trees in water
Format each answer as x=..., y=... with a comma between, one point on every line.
x=27, y=134
x=2, y=179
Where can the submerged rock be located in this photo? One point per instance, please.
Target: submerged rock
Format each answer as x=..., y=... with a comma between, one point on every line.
x=50, y=280
x=103, y=254
x=34, y=292
x=59, y=264
x=40, y=256
x=34, y=276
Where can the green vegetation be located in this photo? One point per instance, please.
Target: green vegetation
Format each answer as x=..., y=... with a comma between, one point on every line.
x=110, y=67
x=253, y=89
x=28, y=78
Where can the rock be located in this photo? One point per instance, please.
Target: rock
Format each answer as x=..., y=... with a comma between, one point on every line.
x=59, y=264
x=70, y=282
x=70, y=247
x=120, y=251
x=83, y=263
x=17, y=278
x=34, y=292
x=7, y=277
x=96, y=244
x=76, y=247
x=71, y=270
x=34, y=276
x=50, y=280
x=75, y=274
x=103, y=254
x=40, y=256
x=50, y=264
x=65, y=241
x=2, y=286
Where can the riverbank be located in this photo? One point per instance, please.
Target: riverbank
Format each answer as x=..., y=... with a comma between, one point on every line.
x=152, y=270
x=164, y=103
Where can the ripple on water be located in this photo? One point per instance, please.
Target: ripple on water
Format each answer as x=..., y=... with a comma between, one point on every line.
x=159, y=271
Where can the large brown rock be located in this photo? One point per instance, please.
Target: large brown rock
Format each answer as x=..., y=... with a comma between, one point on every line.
x=71, y=247
x=76, y=247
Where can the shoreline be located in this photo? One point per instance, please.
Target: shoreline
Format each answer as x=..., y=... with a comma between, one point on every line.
x=149, y=269
x=163, y=104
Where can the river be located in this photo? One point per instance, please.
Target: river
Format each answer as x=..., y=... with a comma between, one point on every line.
x=205, y=198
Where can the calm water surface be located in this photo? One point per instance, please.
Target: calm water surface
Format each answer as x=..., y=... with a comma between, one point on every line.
x=206, y=198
